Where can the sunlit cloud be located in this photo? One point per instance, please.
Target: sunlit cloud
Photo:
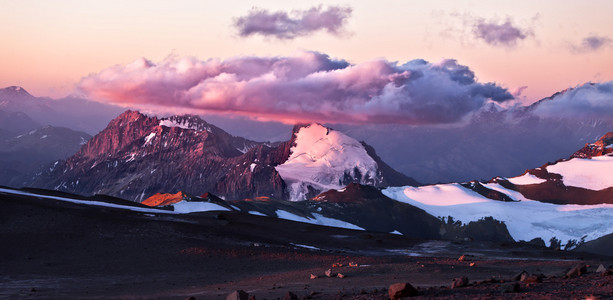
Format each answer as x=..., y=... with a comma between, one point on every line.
x=308, y=86
x=283, y=25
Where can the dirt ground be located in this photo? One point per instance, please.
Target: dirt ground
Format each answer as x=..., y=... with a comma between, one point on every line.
x=57, y=250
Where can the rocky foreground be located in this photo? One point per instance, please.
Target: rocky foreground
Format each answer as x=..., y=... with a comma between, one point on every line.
x=62, y=250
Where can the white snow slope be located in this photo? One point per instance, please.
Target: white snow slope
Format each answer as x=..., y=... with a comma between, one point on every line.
x=321, y=158
x=525, y=220
x=594, y=173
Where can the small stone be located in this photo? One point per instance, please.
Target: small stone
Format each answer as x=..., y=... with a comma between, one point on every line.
x=459, y=282
x=238, y=295
x=472, y=264
x=313, y=276
x=353, y=264
x=329, y=273
x=339, y=275
x=519, y=276
x=510, y=288
x=401, y=290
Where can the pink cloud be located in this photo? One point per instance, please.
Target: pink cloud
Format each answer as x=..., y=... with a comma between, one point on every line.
x=306, y=87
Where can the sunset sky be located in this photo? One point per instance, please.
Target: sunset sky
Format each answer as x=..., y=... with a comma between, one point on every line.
x=530, y=48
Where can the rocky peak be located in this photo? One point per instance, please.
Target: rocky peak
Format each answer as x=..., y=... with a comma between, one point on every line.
x=14, y=92
x=602, y=146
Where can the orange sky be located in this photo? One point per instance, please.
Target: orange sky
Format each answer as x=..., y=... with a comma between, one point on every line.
x=48, y=46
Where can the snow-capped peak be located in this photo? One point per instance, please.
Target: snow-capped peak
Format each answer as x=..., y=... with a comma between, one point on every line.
x=323, y=159
x=186, y=122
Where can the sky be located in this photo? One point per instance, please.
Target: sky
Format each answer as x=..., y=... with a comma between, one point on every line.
x=199, y=54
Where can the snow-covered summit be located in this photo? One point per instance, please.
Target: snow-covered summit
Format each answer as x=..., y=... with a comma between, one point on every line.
x=186, y=122
x=323, y=159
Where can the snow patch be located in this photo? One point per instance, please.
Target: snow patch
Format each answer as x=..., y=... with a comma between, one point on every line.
x=183, y=123
x=184, y=207
x=252, y=167
x=256, y=213
x=526, y=179
x=149, y=138
x=322, y=158
x=525, y=220
x=593, y=174
x=318, y=220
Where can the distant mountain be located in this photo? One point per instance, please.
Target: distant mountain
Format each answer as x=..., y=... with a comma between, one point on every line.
x=493, y=142
x=137, y=156
x=22, y=155
x=75, y=113
x=16, y=123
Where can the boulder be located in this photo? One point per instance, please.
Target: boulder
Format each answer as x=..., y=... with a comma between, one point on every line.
x=401, y=290
x=238, y=295
x=329, y=273
x=577, y=271
x=459, y=282
x=601, y=269
x=519, y=276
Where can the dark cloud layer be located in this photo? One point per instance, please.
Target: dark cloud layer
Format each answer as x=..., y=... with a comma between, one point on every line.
x=588, y=101
x=282, y=25
x=309, y=86
x=499, y=34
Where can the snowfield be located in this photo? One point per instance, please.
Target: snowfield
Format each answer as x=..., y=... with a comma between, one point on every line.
x=526, y=179
x=321, y=158
x=525, y=220
x=592, y=174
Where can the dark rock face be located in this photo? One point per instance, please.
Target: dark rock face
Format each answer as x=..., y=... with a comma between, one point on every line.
x=367, y=207
x=459, y=282
x=136, y=156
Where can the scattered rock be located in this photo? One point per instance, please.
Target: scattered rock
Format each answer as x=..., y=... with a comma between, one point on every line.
x=353, y=264
x=313, y=276
x=464, y=257
x=459, y=282
x=238, y=295
x=329, y=273
x=337, y=265
x=472, y=264
x=400, y=290
x=511, y=288
x=519, y=276
x=601, y=269
x=339, y=275
x=577, y=271
x=290, y=296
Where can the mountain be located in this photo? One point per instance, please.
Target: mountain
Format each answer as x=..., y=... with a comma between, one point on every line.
x=71, y=112
x=569, y=199
x=16, y=123
x=22, y=155
x=136, y=156
x=493, y=142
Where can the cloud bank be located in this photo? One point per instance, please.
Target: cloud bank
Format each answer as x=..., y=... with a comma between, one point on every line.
x=499, y=34
x=588, y=102
x=282, y=25
x=308, y=86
